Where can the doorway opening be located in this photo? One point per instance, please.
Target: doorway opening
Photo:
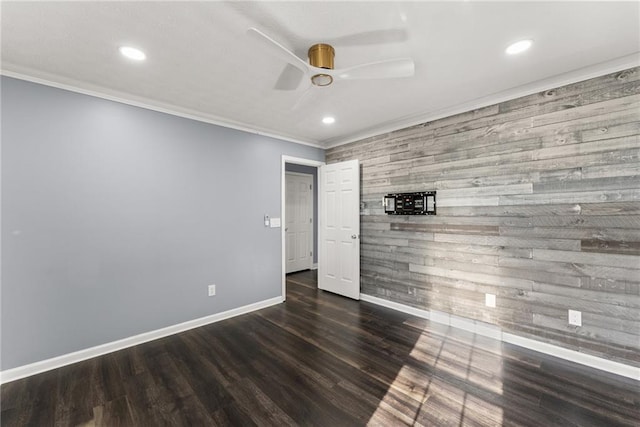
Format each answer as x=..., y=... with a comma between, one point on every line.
x=300, y=231
x=298, y=166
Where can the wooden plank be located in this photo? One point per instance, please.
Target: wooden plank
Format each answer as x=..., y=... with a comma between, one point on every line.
x=521, y=211
x=569, y=245
x=446, y=220
x=615, y=299
x=475, y=277
x=443, y=228
x=610, y=285
x=497, y=190
x=607, y=183
x=613, y=131
x=453, y=249
x=396, y=258
x=606, y=171
x=632, y=195
x=469, y=201
x=537, y=275
x=489, y=181
x=605, y=221
x=622, y=261
x=609, y=246
x=577, y=233
x=615, y=208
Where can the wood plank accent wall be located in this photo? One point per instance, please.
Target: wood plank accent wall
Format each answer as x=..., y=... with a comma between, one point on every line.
x=538, y=202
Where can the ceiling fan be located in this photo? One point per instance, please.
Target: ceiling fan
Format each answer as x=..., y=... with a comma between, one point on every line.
x=320, y=68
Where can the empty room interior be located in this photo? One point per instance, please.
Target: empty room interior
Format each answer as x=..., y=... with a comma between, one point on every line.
x=320, y=213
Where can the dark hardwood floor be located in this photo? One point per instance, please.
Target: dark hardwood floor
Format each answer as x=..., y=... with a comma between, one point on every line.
x=320, y=359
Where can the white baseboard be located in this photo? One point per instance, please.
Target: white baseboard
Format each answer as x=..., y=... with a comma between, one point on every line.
x=493, y=331
x=314, y=266
x=88, y=353
x=480, y=328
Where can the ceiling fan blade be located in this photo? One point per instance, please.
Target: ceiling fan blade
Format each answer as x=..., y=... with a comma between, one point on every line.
x=302, y=100
x=387, y=69
x=277, y=49
x=290, y=78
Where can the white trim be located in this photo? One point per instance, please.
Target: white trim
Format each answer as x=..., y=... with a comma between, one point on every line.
x=574, y=356
x=149, y=104
x=298, y=161
x=88, y=353
x=396, y=306
x=493, y=331
x=314, y=266
x=564, y=79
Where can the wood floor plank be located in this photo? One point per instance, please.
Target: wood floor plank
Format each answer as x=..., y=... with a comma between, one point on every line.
x=322, y=360
x=115, y=413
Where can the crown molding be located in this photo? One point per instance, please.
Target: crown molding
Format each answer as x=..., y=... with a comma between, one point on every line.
x=141, y=102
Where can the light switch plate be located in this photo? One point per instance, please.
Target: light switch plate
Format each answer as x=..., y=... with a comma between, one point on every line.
x=275, y=222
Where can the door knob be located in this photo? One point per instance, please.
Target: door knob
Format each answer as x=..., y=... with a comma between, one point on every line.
x=354, y=236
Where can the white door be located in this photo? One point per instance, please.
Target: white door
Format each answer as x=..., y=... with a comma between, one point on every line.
x=339, y=229
x=298, y=222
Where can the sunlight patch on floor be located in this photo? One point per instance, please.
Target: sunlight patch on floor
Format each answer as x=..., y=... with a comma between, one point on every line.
x=433, y=367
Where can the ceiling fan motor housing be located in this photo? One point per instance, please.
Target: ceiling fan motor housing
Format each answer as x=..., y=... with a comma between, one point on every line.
x=321, y=55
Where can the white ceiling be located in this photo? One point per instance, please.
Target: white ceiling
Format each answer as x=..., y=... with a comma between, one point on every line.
x=201, y=63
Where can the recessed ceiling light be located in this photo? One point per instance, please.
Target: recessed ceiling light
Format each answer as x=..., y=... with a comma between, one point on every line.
x=132, y=53
x=519, y=47
x=328, y=120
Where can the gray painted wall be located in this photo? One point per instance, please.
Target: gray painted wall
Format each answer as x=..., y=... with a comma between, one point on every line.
x=290, y=167
x=116, y=218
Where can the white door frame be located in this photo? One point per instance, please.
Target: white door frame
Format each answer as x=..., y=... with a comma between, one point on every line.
x=283, y=208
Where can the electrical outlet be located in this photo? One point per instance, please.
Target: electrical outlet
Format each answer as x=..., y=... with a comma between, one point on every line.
x=490, y=300
x=212, y=290
x=575, y=318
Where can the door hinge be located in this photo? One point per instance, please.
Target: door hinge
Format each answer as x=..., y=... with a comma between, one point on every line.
x=310, y=186
x=310, y=220
x=310, y=253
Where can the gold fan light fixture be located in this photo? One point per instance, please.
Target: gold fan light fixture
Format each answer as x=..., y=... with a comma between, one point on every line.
x=321, y=56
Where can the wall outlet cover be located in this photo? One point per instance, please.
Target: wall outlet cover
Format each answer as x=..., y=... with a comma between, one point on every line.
x=490, y=300
x=212, y=290
x=575, y=318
